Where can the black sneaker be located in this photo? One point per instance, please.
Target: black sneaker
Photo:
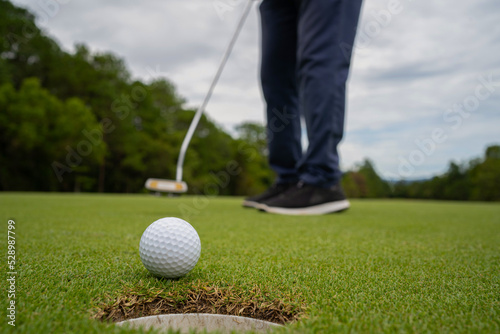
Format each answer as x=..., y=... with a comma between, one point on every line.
x=304, y=199
x=273, y=191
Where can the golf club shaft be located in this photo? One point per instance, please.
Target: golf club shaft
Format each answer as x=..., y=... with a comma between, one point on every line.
x=199, y=112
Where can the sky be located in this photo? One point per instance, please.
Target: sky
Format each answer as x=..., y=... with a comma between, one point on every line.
x=424, y=87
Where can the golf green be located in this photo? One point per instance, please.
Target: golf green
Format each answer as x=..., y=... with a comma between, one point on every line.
x=383, y=266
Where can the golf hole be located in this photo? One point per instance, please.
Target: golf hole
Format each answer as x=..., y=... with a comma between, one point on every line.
x=200, y=306
x=199, y=321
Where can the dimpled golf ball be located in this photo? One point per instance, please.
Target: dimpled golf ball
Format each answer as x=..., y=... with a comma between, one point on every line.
x=170, y=247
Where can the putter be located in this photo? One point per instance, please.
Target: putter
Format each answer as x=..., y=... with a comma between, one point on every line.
x=179, y=186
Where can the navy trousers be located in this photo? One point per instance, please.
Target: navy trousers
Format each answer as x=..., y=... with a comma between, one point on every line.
x=306, y=54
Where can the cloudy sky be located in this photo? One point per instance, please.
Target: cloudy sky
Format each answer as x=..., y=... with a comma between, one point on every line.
x=424, y=86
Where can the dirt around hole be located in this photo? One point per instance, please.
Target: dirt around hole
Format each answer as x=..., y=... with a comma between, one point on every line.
x=200, y=299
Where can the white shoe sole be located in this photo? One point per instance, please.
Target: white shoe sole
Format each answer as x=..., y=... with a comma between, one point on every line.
x=251, y=204
x=320, y=209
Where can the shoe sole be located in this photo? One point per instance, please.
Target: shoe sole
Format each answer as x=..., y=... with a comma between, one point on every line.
x=251, y=204
x=320, y=209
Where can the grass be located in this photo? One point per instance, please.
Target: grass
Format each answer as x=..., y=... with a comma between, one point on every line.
x=200, y=298
x=383, y=266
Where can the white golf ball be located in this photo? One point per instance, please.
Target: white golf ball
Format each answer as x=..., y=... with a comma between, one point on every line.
x=170, y=247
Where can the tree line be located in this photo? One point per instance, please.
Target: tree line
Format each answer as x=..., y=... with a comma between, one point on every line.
x=477, y=180
x=79, y=122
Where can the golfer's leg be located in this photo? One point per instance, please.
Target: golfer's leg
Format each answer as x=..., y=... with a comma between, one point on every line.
x=326, y=33
x=279, y=86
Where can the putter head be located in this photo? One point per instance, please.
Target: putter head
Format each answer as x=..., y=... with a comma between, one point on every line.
x=168, y=186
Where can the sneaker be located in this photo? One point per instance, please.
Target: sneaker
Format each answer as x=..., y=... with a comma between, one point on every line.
x=305, y=199
x=273, y=191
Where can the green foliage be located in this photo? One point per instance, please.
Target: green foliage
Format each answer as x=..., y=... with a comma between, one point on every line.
x=37, y=133
x=254, y=134
x=364, y=182
x=485, y=177
x=478, y=180
x=141, y=125
x=24, y=49
x=251, y=157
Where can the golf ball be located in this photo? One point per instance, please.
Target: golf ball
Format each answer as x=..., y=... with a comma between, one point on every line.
x=170, y=247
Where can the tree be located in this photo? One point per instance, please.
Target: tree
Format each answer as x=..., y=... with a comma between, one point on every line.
x=479, y=180
x=485, y=177
x=251, y=156
x=354, y=185
x=43, y=140
x=456, y=182
x=254, y=134
x=376, y=187
x=364, y=182
x=26, y=51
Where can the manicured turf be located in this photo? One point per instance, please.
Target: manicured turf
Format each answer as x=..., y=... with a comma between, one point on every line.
x=383, y=266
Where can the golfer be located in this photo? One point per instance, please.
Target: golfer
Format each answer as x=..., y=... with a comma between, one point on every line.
x=306, y=55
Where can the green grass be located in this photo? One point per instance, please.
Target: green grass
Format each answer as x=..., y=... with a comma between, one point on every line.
x=383, y=266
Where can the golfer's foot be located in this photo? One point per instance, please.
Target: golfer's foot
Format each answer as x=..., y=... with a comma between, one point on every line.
x=304, y=199
x=273, y=191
